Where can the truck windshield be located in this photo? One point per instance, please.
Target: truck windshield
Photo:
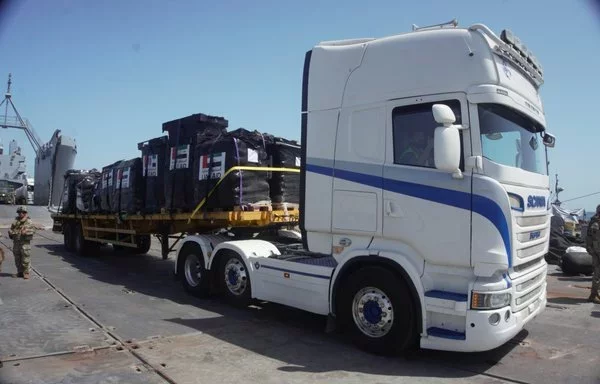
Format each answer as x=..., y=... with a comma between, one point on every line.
x=510, y=138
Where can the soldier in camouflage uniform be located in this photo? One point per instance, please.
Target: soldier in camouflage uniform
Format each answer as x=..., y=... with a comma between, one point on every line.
x=1, y=256
x=21, y=232
x=592, y=242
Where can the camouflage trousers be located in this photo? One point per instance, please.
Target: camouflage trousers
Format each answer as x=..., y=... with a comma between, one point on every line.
x=22, y=252
x=596, y=276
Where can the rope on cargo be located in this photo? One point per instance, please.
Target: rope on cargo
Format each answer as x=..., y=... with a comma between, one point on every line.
x=238, y=168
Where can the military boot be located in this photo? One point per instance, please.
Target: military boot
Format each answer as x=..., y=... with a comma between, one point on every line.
x=26, y=275
x=594, y=299
x=20, y=274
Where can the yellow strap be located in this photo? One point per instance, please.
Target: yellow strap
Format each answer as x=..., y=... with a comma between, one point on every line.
x=239, y=168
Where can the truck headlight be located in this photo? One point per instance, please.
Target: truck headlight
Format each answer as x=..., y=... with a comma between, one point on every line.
x=489, y=300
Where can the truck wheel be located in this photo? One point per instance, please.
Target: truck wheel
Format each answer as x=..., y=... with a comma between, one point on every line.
x=234, y=280
x=191, y=269
x=376, y=309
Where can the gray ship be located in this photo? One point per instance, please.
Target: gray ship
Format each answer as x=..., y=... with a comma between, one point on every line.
x=12, y=172
x=52, y=160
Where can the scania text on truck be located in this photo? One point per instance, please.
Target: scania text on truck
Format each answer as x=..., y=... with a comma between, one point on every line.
x=424, y=212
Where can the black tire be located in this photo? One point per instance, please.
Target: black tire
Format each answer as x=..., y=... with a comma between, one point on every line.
x=69, y=236
x=233, y=280
x=80, y=245
x=382, y=287
x=66, y=229
x=192, y=271
x=143, y=242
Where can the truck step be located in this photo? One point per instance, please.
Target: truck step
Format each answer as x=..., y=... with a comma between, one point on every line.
x=445, y=333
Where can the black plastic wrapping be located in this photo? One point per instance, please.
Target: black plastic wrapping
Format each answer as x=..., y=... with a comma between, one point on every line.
x=182, y=130
x=215, y=156
x=154, y=166
x=86, y=191
x=184, y=135
x=107, y=187
x=97, y=198
x=69, y=200
x=284, y=186
x=128, y=187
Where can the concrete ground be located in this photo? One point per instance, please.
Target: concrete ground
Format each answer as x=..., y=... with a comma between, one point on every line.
x=110, y=318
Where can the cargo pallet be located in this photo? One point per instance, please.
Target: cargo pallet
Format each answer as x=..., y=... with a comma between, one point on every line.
x=134, y=231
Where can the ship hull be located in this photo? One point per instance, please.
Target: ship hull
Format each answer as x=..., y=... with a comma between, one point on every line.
x=52, y=161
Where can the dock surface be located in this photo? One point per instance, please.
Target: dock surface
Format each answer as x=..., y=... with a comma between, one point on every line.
x=114, y=318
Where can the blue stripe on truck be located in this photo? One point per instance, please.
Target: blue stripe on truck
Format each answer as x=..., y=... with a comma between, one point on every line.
x=479, y=204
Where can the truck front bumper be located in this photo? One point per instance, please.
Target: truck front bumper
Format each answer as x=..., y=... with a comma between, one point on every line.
x=483, y=334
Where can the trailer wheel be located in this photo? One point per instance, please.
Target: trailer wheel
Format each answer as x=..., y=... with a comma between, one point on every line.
x=69, y=236
x=234, y=280
x=80, y=245
x=194, y=276
x=66, y=230
x=143, y=244
x=376, y=309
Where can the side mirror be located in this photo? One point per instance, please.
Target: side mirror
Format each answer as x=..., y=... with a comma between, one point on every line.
x=443, y=114
x=446, y=144
x=549, y=140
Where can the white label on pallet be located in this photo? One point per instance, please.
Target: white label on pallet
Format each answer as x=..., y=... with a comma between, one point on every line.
x=123, y=177
x=298, y=162
x=109, y=178
x=252, y=156
x=150, y=165
x=104, y=180
x=214, y=163
x=180, y=157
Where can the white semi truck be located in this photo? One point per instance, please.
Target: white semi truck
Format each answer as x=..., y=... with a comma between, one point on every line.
x=424, y=214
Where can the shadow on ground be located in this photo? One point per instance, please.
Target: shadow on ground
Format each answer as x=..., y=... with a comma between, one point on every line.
x=567, y=300
x=292, y=336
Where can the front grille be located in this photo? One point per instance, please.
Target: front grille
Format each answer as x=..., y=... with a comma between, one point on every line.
x=528, y=296
x=527, y=265
x=532, y=221
x=526, y=284
x=530, y=251
x=532, y=235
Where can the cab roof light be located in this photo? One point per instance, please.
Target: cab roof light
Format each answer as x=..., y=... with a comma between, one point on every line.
x=511, y=47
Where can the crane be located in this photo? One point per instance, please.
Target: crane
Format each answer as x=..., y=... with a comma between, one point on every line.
x=16, y=121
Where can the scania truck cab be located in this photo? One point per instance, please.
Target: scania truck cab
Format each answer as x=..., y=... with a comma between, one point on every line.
x=424, y=214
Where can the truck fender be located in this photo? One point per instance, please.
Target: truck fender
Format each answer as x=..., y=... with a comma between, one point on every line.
x=396, y=261
x=206, y=244
x=245, y=249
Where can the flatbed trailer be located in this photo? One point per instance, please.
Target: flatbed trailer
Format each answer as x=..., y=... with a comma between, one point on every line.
x=133, y=232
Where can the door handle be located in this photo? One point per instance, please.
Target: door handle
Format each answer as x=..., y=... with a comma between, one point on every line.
x=391, y=209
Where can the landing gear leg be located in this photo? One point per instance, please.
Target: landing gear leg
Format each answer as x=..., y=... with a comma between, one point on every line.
x=164, y=245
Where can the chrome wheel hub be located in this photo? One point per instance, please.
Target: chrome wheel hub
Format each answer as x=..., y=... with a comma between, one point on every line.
x=235, y=276
x=193, y=271
x=372, y=312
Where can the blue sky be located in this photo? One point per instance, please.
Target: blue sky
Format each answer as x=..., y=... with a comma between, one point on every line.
x=109, y=73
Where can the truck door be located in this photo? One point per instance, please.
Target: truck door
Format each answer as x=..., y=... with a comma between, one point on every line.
x=357, y=194
x=424, y=209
